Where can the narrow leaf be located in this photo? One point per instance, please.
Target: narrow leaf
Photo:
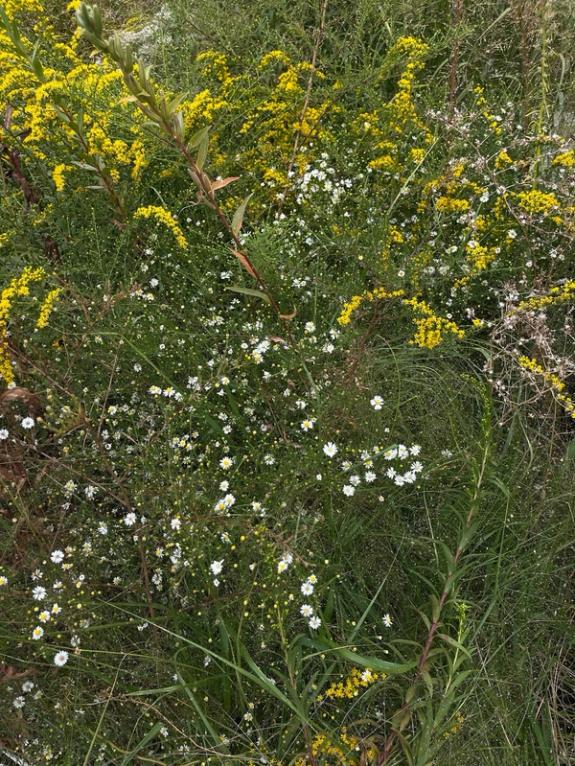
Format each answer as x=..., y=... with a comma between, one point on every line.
x=248, y=291
x=245, y=261
x=223, y=182
x=238, y=218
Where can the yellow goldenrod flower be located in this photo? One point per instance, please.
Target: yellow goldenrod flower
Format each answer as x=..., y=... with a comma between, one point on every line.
x=18, y=287
x=164, y=217
x=555, y=383
x=47, y=307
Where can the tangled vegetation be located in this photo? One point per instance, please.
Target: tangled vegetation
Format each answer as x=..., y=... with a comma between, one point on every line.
x=286, y=387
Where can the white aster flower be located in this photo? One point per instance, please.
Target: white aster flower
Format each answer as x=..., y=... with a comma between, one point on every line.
x=217, y=566
x=330, y=449
x=60, y=659
x=307, y=588
x=314, y=623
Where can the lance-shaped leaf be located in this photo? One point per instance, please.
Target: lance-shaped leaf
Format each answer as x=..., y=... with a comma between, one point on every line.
x=372, y=663
x=249, y=291
x=245, y=261
x=238, y=219
x=221, y=182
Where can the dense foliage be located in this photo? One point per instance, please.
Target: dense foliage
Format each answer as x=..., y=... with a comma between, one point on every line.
x=286, y=399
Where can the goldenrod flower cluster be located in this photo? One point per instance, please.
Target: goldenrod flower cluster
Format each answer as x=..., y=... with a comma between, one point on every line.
x=63, y=83
x=18, y=287
x=446, y=204
x=536, y=202
x=557, y=294
x=491, y=118
x=369, y=296
x=15, y=7
x=351, y=686
x=458, y=721
x=431, y=329
x=554, y=381
x=398, y=117
x=565, y=159
x=59, y=177
x=47, y=307
x=163, y=216
x=503, y=159
x=325, y=748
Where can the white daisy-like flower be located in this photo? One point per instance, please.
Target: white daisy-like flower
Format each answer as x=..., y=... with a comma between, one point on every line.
x=284, y=562
x=130, y=519
x=217, y=566
x=4, y=434
x=37, y=633
x=330, y=449
x=226, y=463
x=370, y=477
x=307, y=424
x=315, y=622
x=387, y=621
x=377, y=402
x=60, y=659
x=306, y=610
x=348, y=490
x=307, y=588
x=28, y=423
x=57, y=557
x=39, y=593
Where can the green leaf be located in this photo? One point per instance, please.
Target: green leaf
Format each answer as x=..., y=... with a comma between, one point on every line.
x=454, y=643
x=248, y=291
x=199, y=710
x=197, y=137
x=142, y=743
x=372, y=663
x=203, y=151
x=238, y=218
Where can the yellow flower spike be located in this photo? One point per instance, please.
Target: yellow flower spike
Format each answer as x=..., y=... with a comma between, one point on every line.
x=557, y=294
x=163, y=216
x=554, y=381
x=47, y=307
x=18, y=287
x=58, y=176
